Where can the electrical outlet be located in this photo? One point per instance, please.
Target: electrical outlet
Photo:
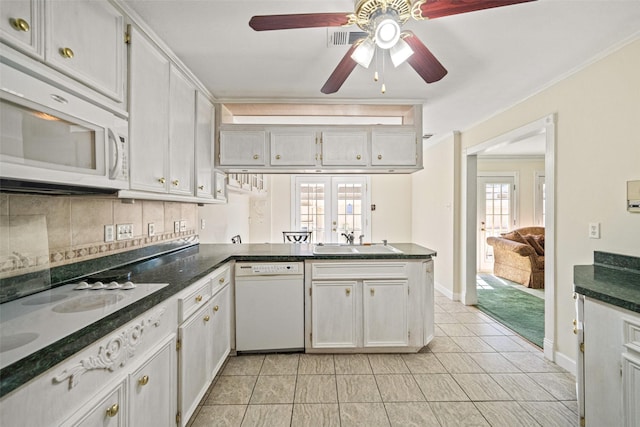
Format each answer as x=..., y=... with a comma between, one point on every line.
x=183, y=225
x=594, y=230
x=176, y=226
x=109, y=233
x=124, y=231
x=151, y=229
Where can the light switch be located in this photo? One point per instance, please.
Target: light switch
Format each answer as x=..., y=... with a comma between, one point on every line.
x=594, y=230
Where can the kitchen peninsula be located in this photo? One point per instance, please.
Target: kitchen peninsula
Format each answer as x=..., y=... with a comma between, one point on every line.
x=200, y=277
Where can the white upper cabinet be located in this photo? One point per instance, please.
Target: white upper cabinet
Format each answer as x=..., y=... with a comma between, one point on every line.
x=21, y=25
x=85, y=39
x=149, y=115
x=243, y=148
x=204, y=147
x=182, y=105
x=348, y=148
x=395, y=148
x=293, y=147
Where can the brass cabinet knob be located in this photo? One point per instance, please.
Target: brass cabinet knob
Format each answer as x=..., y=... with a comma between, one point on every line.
x=175, y=182
x=200, y=187
x=348, y=291
x=66, y=52
x=143, y=380
x=277, y=156
x=199, y=298
x=113, y=410
x=220, y=191
x=379, y=156
x=162, y=180
x=207, y=318
x=216, y=308
x=255, y=157
x=19, y=24
x=221, y=280
x=373, y=292
x=358, y=157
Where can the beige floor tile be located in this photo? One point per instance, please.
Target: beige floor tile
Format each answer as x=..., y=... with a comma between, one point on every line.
x=483, y=329
x=243, y=365
x=423, y=363
x=527, y=345
x=456, y=330
x=505, y=414
x=472, y=318
x=521, y=387
x=234, y=390
x=220, y=416
x=316, y=389
x=458, y=414
x=352, y=364
x=268, y=416
x=388, y=364
x=445, y=317
x=274, y=389
x=561, y=385
x=572, y=405
x=280, y=364
x=363, y=414
x=472, y=344
x=454, y=307
x=315, y=415
x=444, y=345
x=531, y=362
x=459, y=363
x=503, y=343
x=551, y=414
x=411, y=414
x=357, y=388
x=438, y=309
x=316, y=364
x=481, y=387
x=399, y=388
x=440, y=388
x=438, y=332
x=502, y=328
x=494, y=363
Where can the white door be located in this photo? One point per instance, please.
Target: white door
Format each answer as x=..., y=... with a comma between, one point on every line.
x=331, y=206
x=496, y=213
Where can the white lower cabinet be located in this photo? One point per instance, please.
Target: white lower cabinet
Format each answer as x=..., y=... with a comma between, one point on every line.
x=334, y=314
x=221, y=320
x=108, y=410
x=385, y=310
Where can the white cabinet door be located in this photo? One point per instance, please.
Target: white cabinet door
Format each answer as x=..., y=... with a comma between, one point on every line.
x=293, y=148
x=21, y=25
x=85, y=39
x=182, y=110
x=221, y=330
x=194, y=361
x=334, y=314
x=393, y=149
x=106, y=410
x=220, y=186
x=631, y=392
x=385, y=307
x=240, y=148
x=152, y=389
x=149, y=116
x=204, y=147
x=344, y=148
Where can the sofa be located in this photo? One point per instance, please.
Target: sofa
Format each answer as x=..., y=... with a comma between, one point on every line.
x=519, y=256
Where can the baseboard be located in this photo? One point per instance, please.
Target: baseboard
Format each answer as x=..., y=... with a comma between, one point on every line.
x=565, y=362
x=446, y=292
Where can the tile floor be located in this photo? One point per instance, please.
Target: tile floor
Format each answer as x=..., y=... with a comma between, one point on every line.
x=474, y=373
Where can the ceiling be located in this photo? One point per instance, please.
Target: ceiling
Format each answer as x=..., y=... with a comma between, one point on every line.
x=495, y=57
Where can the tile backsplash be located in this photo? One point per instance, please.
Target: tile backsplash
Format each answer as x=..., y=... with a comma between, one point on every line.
x=73, y=228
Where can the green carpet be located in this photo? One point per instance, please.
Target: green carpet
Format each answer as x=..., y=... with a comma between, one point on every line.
x=517, y=310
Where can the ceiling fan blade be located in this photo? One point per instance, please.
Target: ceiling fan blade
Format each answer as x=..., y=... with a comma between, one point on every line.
x=342, y=71
x=423, y=61
x=432, y=9
x=303, y=20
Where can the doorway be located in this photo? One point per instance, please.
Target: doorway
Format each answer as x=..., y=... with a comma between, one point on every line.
x=545, y=127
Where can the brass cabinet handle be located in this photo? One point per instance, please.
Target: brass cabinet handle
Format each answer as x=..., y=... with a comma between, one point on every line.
x=113, y=410
x=207, y=318
x=199, y=298
x=216, y=308
x=348, y=291
x=175, y=182
x=19, y=24
x=277, y=156
x=373, y=292
x=358, y=157
x=221, y=280
x=200, y=187
x=144, y=380
x=162, y=180
x=379, y=156
x=255, y=157
x=66, y=52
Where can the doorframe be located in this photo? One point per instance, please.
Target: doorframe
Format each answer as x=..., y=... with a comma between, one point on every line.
x=469, y=171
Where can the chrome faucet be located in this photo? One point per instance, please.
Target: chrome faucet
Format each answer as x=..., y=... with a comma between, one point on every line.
x=361, y=237
x=350, y=237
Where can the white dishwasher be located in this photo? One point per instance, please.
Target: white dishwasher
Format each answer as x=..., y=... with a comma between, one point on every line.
x=269, y=306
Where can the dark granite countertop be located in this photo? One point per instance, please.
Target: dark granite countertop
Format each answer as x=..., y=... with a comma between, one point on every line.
x=180, y=269
x=613, y=279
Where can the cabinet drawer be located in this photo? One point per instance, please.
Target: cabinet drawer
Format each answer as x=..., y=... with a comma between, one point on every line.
x=191, y=302
x=221, y=277
x=632, y=335
x=360, y=270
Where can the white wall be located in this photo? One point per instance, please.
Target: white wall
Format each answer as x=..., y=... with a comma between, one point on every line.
x=226, y=220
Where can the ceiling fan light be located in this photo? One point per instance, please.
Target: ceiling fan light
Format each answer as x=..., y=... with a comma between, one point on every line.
x=400, y=52
x=363, y=54
x=387, y=33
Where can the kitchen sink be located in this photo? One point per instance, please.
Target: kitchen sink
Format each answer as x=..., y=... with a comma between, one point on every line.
x=355, y=250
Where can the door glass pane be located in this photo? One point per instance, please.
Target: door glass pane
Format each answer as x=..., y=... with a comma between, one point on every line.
x=498, y=213
x=349, y=199
x=312, y=210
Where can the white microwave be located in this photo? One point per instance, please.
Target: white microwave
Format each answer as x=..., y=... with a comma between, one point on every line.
x=49, y=135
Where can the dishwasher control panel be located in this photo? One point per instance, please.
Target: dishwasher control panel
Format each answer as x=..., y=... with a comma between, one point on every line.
x=270, y=268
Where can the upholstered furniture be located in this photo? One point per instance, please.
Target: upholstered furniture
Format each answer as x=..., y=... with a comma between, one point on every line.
x=519, y=256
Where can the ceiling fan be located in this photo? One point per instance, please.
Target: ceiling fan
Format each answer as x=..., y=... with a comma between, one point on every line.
x=382, y=20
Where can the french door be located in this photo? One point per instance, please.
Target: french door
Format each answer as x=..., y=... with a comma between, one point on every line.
x=331, y=206
x=496, y=213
